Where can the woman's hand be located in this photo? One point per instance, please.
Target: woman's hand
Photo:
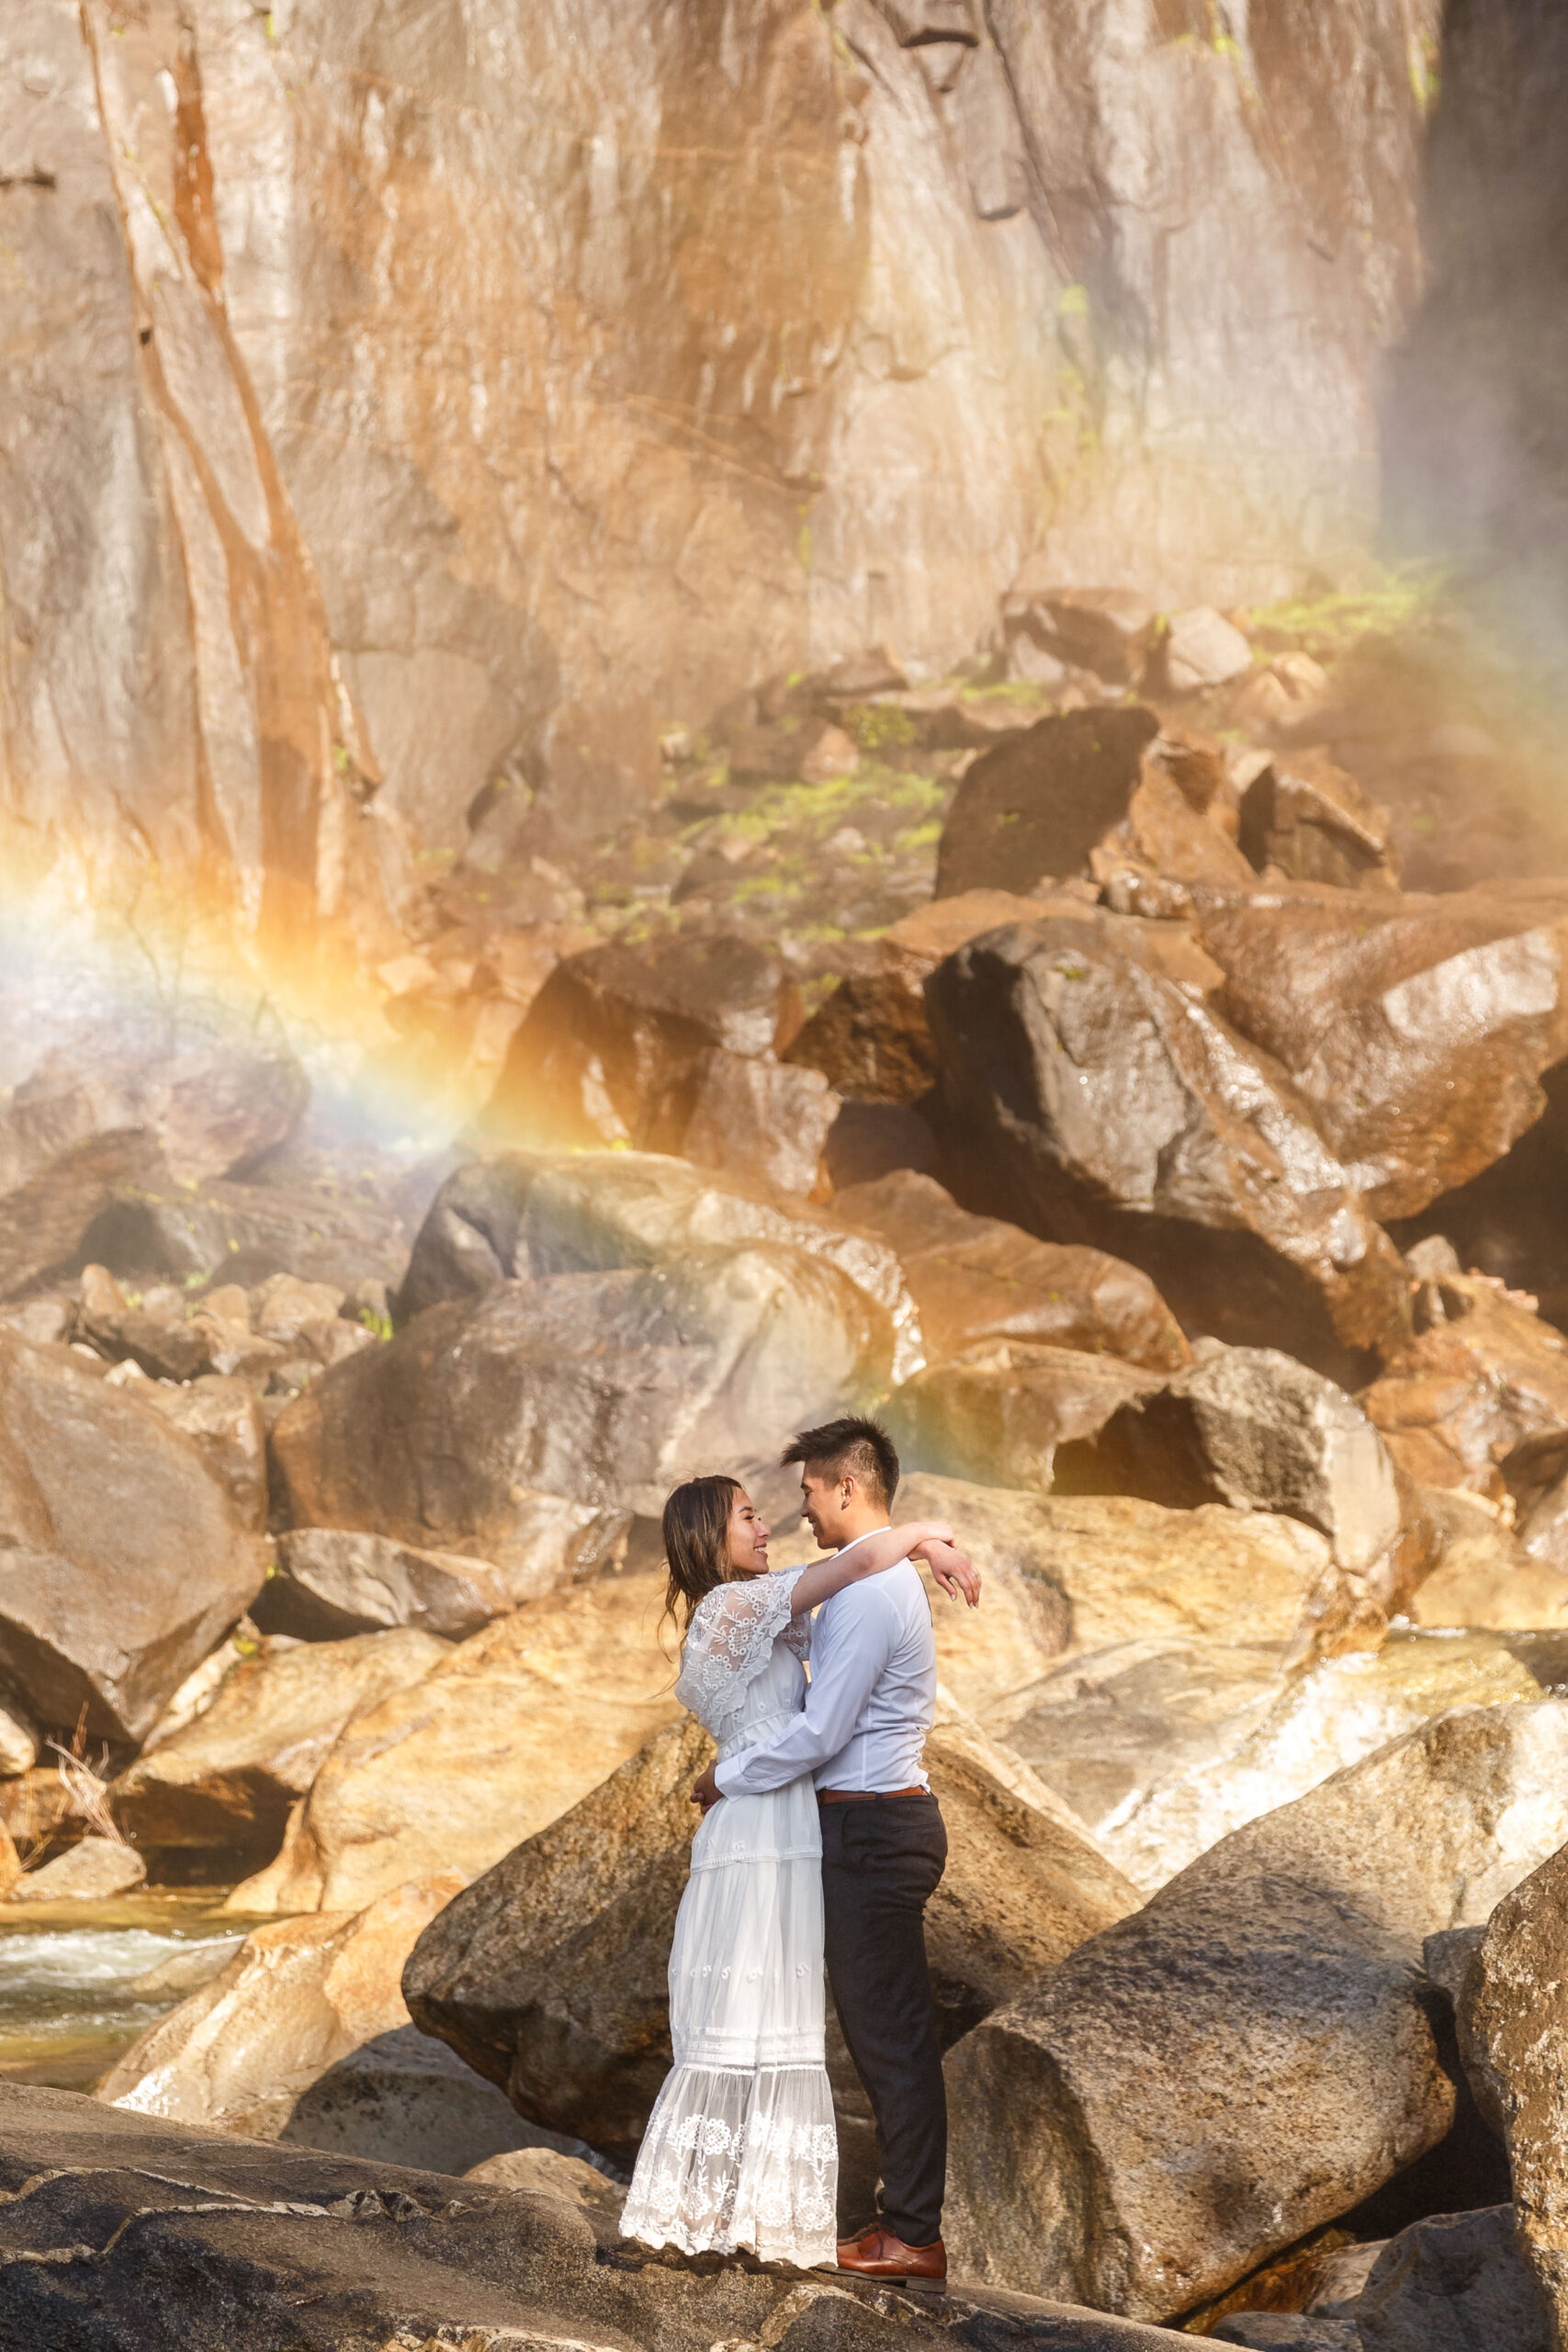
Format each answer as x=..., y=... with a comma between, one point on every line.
x=953, y=1569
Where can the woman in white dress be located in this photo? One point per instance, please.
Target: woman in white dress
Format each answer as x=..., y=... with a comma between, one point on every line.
x=741, y=2149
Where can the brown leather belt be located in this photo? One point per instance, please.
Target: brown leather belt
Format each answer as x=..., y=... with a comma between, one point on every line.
x=866, y=1796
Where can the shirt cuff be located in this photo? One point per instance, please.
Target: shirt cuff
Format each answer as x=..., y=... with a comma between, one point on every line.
x=720, y=1771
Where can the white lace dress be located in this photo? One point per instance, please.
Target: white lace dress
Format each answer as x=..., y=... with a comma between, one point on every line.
x=741, y=2149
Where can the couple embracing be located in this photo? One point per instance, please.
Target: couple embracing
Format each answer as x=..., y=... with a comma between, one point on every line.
x=820, y=1839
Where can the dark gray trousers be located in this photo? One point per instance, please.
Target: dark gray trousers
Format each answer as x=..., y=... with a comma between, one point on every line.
x=881, y=1862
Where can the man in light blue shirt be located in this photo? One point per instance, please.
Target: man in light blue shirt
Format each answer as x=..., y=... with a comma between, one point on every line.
x=871, y=1703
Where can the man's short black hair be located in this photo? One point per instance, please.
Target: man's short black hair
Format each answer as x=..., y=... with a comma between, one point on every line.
x=852, y=1447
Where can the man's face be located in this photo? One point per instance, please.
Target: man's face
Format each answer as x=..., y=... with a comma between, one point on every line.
x=822, y=1499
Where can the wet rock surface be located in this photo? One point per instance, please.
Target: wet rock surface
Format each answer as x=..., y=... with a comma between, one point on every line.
x=976, y=1279
x=1174, y=1146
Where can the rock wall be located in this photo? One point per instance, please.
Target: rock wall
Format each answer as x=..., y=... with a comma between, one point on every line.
x=403, y=404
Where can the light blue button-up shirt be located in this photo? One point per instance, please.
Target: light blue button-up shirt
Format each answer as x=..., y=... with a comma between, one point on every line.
x=872, y=1700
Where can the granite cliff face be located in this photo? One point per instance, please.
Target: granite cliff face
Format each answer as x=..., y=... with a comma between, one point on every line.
x=401, y=401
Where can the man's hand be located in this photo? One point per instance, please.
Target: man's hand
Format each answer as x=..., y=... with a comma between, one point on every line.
x=954, y=1571
x=705, y=1792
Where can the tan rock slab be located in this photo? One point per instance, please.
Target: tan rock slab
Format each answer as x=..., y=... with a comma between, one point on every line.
x=223, y=1785
x=510, y=1730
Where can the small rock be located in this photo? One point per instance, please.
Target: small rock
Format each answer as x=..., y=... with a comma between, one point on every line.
x=1285, y=696
x=89, y=1873
x=1200, y=649
x=1312, y=822
x=284, y=1308
x=834, y=754
x=225, y=1420
x=45, y=1321
x=185, y=1971
x=1108, y=631
x=19, y=1739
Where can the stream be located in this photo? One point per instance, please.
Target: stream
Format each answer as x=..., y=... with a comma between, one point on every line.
x=75, y=1988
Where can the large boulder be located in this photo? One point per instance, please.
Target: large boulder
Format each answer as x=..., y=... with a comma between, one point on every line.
x=1165, y=1745
x=303, y=2036
x=670, y=1048
x=1312, y=822
x=534, y=1214
x=1093, y=1101
x=549, y=1974
x=1485, y=1575
x=1513, y=2016
x=509, y=1730
x=1417, y=1028
x=604, y=1388
x=1045, y=802
x=1252, y=1428
x=1250, y=2054
x=871, y=1038
x=332, y=1582
x=99, y=1094
x=976, y=1278
x=1003, y=1412
x=217, y=1795
x=205, y=2240
x=122, y=1560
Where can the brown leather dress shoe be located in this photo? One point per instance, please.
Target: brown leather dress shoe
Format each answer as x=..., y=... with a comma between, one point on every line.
x=878, y=2253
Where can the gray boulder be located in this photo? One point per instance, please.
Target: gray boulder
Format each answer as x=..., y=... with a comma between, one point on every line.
x=534, y=1214
x=668, y=1047
x=1512, y=2015
x=1252, y=2053
x=332, y=1582
x=601, y=1387
x=1092, y=1099
x=1252, y=1428
x=122, y=1561
x=105, y=1092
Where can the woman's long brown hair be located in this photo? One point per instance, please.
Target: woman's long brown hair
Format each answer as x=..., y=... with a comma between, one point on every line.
x=696, y=1542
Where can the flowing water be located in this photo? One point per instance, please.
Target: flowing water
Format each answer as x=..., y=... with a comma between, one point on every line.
x=73, y=1995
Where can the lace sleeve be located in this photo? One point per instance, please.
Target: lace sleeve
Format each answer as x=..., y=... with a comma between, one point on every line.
x=729, y=1642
